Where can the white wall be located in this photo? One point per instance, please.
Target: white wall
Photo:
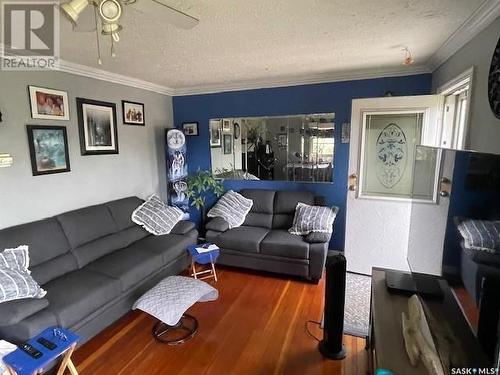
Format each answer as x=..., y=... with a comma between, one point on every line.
x=138, y=169
x=484, y=132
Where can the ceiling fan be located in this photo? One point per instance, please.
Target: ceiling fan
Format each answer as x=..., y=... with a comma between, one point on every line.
x=109, y=12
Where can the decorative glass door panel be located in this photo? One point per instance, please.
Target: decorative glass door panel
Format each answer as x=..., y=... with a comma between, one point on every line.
x=388, y=147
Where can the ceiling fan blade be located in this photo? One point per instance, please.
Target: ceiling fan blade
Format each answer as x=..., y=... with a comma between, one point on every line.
x=178, y=18
x=86, y=21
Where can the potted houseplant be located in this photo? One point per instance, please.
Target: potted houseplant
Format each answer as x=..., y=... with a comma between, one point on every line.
x=199, y=187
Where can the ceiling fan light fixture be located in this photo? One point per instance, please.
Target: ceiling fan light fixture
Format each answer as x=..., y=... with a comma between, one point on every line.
x=112, y=29
x=73, y=9
x=110, y=10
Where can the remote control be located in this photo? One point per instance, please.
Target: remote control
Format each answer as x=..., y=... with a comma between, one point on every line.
x=30, y=350
x=48, y=344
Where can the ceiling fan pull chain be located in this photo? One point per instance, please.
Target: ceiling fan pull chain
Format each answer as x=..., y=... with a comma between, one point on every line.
x=99, y=61
x=113, y=53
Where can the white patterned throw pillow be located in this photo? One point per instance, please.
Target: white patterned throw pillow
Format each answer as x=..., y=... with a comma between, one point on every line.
x=309, y=219
x=232, y=207
x=15, y=258
x=156, y=217
x=15, y=279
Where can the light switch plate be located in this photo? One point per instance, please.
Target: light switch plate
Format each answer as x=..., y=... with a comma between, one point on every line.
x=6, y=160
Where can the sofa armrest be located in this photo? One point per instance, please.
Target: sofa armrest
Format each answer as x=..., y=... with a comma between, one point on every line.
x=183, y=227
x=217, y=224
x=315, y=237
x=12, y=312
x=317, y=258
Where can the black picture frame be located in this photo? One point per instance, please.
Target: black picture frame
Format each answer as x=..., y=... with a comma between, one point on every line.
x=48, y=152
x=228, y=144
x=215, y=129
x=125, y=115
x=111, y=136
x=190, y=128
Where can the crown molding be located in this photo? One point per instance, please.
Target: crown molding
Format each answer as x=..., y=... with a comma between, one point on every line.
x=303, y=80
x=86, y=71
x=477, y=22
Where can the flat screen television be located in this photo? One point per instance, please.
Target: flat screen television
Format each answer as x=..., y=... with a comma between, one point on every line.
x=455, y=192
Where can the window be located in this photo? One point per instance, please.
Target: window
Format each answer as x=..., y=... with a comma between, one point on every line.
x=456, y=98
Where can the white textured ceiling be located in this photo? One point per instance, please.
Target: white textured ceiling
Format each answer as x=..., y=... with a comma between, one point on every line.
x=245, y=40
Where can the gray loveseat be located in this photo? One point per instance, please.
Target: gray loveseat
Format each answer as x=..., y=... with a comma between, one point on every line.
x=94, y=263
x=263, y=241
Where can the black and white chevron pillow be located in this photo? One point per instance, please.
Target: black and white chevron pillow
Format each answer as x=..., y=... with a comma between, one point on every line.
x=156, y=217
x=309, y=219
x=232, y=207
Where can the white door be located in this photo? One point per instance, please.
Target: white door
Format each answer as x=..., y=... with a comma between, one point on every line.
x=384, y=134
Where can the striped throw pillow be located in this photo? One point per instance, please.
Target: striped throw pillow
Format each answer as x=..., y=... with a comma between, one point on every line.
x=232, y=207
x=18, y=284
x=17, y=258
x=313, y=219
x=156, y=217
x=480, y=235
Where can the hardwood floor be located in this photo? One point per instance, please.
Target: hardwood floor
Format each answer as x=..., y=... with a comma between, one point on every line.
x=257, y=326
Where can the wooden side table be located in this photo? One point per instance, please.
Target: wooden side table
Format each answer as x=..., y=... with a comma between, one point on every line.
x=207, y=257
x=20, y=363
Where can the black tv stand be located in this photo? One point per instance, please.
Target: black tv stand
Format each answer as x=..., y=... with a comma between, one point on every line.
x=411, y=283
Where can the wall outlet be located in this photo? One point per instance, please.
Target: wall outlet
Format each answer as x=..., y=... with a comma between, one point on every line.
x=6, y=160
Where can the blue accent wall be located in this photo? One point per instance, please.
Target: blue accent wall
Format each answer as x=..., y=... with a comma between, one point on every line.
x=293, y=100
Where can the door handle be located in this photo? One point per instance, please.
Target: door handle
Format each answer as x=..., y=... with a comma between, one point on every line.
x=353, y=182
x=445, y=187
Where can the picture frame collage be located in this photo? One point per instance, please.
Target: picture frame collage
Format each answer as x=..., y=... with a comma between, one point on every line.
x=97, y=128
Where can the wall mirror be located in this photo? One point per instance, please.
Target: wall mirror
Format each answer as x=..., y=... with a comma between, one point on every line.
x=282, y=148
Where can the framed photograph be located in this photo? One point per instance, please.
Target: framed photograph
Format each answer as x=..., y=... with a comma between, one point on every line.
x=48, y=149
x=282, y=140
x=226, y=125
x=190, y=128
x=133, y=113
x=215, y=133
x=228, y=144
x=97, y=126
x=48, y=104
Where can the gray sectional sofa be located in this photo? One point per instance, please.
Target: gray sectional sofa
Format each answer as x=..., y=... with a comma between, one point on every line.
x=263, y=241
x=94, y=263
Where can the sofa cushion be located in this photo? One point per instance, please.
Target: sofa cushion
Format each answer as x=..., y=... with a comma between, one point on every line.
x=29, y=326
x=13, y=312
x=98, y=248
x=54, y=268
x=263, y=200
x=121, y=211
x=246, y=239
x=87, y=224
x=133, y=234
x=45, y=239
x=217, y=224
x=170, y=246
x=284, y=206
x=261, y=213
x=281, y=243
x=79, y=293
x=130, y=266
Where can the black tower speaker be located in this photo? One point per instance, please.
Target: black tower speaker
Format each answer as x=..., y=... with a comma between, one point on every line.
x=332, y=346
